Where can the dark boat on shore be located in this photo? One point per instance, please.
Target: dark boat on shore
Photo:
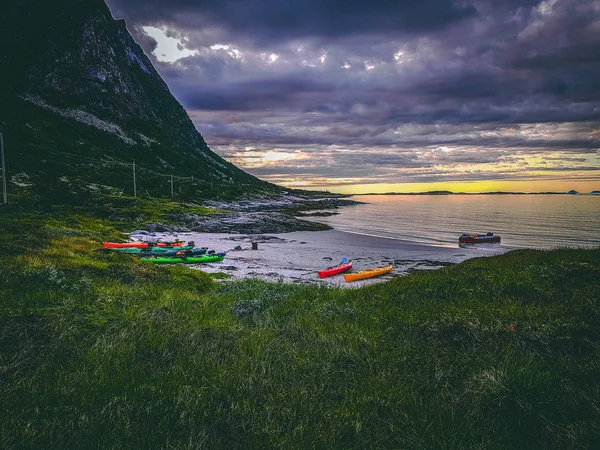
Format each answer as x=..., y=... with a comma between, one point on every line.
x=477, y=238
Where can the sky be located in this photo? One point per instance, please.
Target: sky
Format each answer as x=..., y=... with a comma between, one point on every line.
x=387, y=95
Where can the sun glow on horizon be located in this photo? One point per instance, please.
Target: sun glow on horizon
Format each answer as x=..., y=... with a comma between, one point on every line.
x=528, y=186
x=439, y=167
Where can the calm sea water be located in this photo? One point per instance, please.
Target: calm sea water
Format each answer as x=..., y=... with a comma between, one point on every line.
x=531, y=221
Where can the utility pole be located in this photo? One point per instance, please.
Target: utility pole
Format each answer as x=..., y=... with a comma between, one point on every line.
x=171, y=185
x=134, y=186
x=3, y=168
x=192, y=179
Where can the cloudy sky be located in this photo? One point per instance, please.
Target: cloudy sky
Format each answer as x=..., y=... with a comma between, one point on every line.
x=387, y=95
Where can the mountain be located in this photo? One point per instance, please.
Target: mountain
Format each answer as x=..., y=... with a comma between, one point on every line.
x=79, y=99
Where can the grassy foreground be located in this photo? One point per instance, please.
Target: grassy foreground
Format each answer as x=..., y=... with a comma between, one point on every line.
x=99, y=350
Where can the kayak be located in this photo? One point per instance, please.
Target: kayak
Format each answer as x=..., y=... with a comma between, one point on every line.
x=161, y=250
x=173, y=252
x=479, y=238
x=189, y=260
x=140, y=244
x=368, y=273
x=335, y=269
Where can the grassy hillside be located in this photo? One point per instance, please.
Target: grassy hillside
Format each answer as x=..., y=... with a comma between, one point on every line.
x=98, y=349
x=44, y=147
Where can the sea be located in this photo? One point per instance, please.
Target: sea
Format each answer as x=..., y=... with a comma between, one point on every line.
x=538, y=221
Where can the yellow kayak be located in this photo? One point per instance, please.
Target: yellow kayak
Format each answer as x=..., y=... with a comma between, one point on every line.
x=369, y=273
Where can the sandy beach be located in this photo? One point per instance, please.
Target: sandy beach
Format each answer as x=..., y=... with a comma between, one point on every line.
x=296, y=257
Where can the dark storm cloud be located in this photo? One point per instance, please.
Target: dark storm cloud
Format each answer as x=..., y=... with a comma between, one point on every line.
x=253, y=95
x=265, y=20
x=351, y=133
x=388, y=81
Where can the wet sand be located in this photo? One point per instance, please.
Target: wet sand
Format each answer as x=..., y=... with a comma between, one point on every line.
x=296, y=257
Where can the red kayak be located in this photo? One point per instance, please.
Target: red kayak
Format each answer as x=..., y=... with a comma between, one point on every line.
x=335, y=269
x=141, y=244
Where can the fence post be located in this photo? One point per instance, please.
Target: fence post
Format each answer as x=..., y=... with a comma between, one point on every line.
x=3, y=169
x=134, y=186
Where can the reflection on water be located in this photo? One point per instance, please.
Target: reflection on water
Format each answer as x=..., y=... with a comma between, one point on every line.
x=532, y=221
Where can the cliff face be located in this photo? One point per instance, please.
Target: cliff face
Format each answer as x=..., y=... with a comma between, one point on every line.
x=75, y=83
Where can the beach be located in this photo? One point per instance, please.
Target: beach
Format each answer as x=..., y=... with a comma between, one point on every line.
x=297, y=256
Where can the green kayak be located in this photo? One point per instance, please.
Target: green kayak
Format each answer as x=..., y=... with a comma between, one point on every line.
x=154, y=249
x=189, y=260
x=192, y=252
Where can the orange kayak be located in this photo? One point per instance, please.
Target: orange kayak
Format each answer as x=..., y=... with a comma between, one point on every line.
x=368, y=273
x=140, y=244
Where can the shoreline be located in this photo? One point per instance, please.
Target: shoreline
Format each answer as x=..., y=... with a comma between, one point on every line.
x=295, y=257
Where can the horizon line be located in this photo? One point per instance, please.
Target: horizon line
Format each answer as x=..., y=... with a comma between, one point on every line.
x=445, y=192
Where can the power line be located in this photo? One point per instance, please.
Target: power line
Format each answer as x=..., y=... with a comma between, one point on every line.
x=136, y=174
x=103, y=161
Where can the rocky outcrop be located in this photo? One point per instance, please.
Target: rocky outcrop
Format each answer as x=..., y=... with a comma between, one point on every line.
x=317, y=214
x=280, y=214
x=289, y=203
x=162, y=228
x=241, y=223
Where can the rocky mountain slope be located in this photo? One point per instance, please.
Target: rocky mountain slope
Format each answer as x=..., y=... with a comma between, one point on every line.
x=80, y=99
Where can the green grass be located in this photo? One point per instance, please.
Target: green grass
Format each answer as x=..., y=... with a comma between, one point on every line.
x=131, y=211
x=100, y=350
x=99, y=216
